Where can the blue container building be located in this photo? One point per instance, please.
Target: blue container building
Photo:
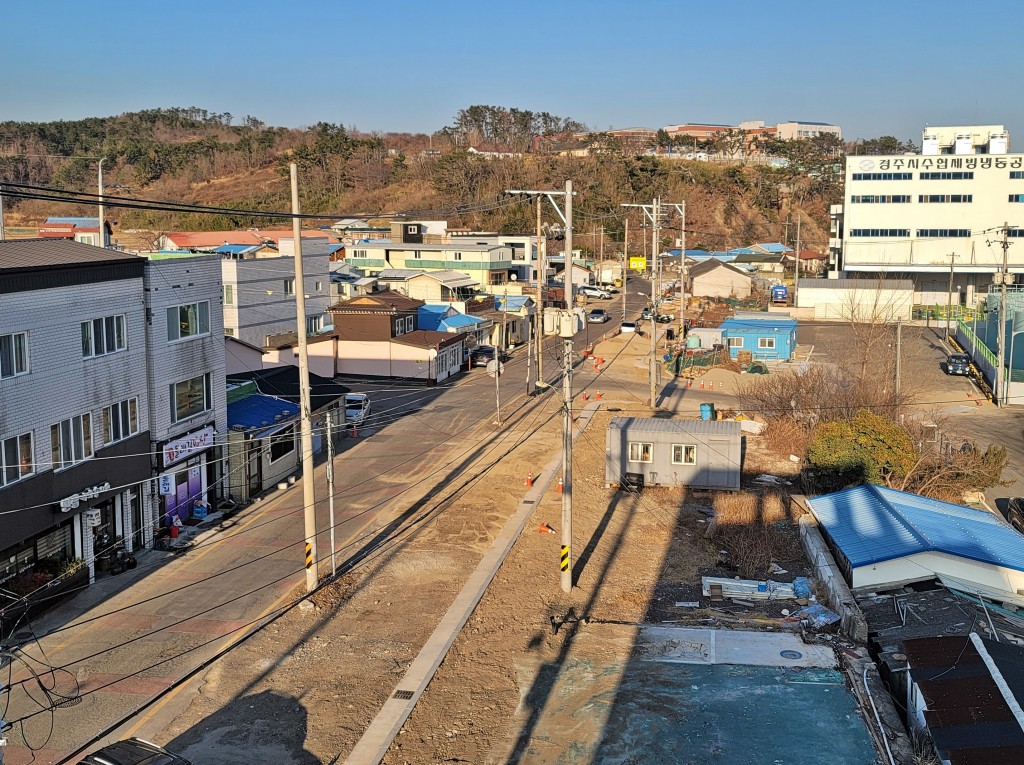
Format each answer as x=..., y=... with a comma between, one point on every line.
x=770, y=338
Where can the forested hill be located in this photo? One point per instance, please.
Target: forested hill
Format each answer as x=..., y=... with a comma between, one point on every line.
x=192, y=155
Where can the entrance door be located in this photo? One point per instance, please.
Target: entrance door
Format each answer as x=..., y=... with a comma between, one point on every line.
x=253, y=468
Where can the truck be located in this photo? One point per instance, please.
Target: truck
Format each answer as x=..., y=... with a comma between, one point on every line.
x=780, y=295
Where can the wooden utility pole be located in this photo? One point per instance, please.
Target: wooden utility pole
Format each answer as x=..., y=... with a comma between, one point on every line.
x=305, y=425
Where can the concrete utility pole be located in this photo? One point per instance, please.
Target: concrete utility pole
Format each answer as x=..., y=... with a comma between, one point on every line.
x=682, y=266
x=1003, y=388
x=305, y=425
x=565, y=565
x=3, y=236
x=541, y=279
x=796, y=272
x=949, y=296
x=329, y=421
x=498, y=353
x=899, y=355
x=656, y=211
x=99, y=195
x=625, y=261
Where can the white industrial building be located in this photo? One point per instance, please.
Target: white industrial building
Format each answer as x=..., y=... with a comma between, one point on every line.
x=933, y=217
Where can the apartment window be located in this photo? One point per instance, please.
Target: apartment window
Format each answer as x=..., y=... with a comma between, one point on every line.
x=943, y=233
x=71, y=441
x=1013, y=198
x=358, y=253
x=314, y=324
x=735, y=342
x=190, y=397
x=880, y=199
x=766, y=343
x=640, y=452
x=408, y=323
x=229, y=294
x=282, y=443
x=684, y=454
x=1016, y=175
x=289, y=286
x=880, y=232
x=120, y=421
x=1015, y=233
x=458, y=256
x=955, y=176
x=13, y=354
x=883, y=176
x=417, y=254
x=101, y=337
x=943, y=198
x=15, y=458
x=188, y=320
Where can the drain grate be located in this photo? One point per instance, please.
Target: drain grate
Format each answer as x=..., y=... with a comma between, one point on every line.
x=529, y=501
x=405, y=695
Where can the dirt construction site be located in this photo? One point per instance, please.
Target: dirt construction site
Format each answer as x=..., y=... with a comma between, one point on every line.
x=622, y=669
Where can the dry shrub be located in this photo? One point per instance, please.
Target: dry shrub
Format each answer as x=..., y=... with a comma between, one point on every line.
x=786, y=436
x=756, y=529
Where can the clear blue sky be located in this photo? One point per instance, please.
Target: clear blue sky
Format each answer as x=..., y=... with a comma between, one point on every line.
x=873, y=67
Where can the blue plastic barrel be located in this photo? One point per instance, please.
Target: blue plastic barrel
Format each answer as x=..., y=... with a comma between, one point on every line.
x=707, y=411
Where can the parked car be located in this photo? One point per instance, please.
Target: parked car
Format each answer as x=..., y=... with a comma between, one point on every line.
x=609, y=287
x=597, y=316
x=1015, y=513
x=482, y=355
x=133, y=751
x=629, y=326
x=646, y=314
x=958, y=364
x=357, y=407
x=595, y=292
x=664, y=318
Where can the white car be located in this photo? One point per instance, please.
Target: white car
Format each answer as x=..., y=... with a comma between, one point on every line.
x=357, y=407
x=628, y=326
x=595, y=292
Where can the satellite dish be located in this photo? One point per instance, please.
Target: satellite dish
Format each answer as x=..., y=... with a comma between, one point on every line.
x=514, y=277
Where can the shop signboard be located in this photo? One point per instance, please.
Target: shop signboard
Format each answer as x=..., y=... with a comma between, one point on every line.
x=184, y=447
x=167, y=486
x=637, y=264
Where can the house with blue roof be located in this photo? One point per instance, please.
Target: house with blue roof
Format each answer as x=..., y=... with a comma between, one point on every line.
x=263, y=440
x=883, y=538
x=772, y=338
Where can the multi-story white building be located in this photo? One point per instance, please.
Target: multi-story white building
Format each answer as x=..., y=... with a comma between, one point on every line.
x=259, y=293
x=186, y=381
x=74, y=406
x=933, y=217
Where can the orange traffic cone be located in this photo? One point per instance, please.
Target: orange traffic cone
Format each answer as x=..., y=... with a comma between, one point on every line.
x=545, y=529
x=689, y=383
x=586, y=396
x=599, y=395
x=355, y=432
x=711, y=384
x=529, y=479
x=559, y=485
x=702, y=385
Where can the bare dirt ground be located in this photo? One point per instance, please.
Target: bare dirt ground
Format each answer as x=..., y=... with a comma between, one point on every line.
x=305, y=689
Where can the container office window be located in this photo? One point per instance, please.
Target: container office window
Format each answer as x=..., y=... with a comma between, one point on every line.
x=15, y=458
x=13, y=354
x=735, y=342
x=957, y=176
x=883, y=176
x=458, y=256
x=684, y=454
x=399, y=327
x=766, y=343
x=408, y=323
x=640, y=452
x=188, y=320
x=101, y=337
x=71, y=441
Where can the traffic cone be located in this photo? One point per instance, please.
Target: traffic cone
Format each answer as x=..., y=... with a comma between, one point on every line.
x=559, y=485
x=689, y=383
x=529, y=479
x=586, y=396
x=355, y=432
x=702, y=385
x=711, y=384
x=599, y=395
x=545, y=529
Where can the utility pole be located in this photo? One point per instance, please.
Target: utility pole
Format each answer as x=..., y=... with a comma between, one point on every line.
x=625, y=261
x=305, y=426
x=899, y=355
x=796, y=272
x=1002, y=391
x=329, y=420
x=99, y=189
x=656, y=212
x=541, y=281
x=529, y=352
x=565, y=564
x=498, y=353
x=949, y=296
x=3, y=236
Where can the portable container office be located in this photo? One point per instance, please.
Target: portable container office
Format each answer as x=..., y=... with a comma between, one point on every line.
x=702, y=454
x=764, y=338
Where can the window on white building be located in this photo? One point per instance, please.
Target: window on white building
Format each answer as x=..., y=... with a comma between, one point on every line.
x=640, y=452
x=101, y=337
x=684, y=454
x=229, y=294
x=71, y=441
x=458, y=256
x=13, y=354
x=120, y=421
x=188, y=320
x=15, y=458
x=190, y=397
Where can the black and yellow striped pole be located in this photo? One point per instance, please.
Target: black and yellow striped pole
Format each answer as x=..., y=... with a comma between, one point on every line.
x=566, y=560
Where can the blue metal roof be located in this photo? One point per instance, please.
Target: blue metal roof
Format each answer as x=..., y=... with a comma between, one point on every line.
x=871, y=524
x=762, y=326
x=773, y=247
x=236, y=249
x=258, y=412
x=80, y=222
x=460, y=320
x=515, y=302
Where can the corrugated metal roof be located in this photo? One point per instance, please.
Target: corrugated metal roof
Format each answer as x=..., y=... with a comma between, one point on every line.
x=871, y=524
x=41, y=253
x=77, y=222
x=784, y=324
x=857, y=284
x=392, y=274
x=660, y=425
x=260, y=411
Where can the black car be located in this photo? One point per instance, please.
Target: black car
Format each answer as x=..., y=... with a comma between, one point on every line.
x=1015, y=513
x=133, y=751
x=958, y=364
x=483, y=355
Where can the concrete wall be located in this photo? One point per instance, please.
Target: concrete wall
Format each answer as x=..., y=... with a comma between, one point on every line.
x=870, y=303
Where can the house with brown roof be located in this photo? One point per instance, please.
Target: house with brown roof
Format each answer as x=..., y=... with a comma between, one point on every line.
x=378, y=335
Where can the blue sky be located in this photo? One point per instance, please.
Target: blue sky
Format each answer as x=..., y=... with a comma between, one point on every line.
x=875, y=68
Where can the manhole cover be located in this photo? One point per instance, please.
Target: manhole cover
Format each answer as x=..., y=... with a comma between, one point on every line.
x=791, y=654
